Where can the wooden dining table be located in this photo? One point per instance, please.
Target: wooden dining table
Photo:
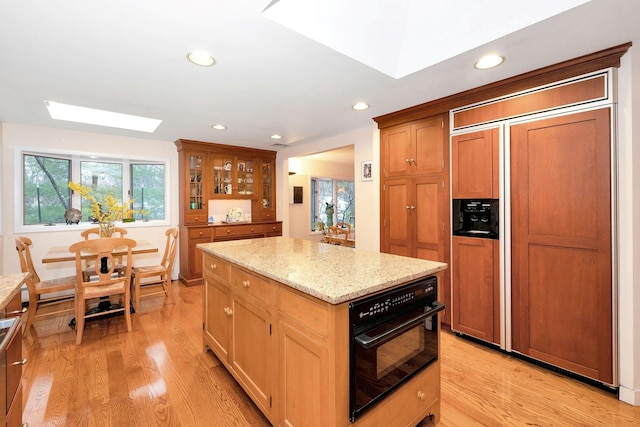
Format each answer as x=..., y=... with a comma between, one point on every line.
x=62, y=254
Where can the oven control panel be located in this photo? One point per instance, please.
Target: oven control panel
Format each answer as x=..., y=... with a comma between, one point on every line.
x=423, y=291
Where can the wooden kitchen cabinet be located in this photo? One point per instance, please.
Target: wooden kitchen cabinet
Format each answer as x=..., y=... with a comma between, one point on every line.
x=210, y=171
x=190, y=256
x=414, y=217
x=263, y=208
x=474, y=165
x=414, y=148
x=238, y=326
x=475, y=288
x=14, y=363
x=415, y=203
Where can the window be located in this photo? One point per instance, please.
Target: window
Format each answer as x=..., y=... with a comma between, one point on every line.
x=339, y=194
x=147, y=189
x=46, y=195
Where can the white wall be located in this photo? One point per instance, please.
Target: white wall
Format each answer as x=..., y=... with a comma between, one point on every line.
x=628, y=213
x=300, y=214
x=366, y=147
x=14, y=135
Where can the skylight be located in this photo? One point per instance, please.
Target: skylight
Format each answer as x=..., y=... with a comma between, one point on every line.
x=74, y=113
x=400, y=37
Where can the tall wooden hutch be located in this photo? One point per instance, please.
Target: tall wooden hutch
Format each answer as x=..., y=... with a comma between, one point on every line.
x=210, y=171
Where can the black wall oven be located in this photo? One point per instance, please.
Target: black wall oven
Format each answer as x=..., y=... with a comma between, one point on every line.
x=393, y=336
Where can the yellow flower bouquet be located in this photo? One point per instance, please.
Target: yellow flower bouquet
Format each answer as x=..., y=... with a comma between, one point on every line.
x=107, y=210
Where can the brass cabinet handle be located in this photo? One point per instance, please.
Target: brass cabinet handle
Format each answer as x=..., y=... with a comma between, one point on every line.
x=228, y=311
x=214, y=266
x=246, y=284
x=420, y=395
x=20, y=362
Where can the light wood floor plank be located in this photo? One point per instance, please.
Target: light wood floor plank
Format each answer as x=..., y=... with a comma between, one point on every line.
x=159, y=375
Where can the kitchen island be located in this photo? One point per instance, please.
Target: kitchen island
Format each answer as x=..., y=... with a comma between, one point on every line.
x=276, y=314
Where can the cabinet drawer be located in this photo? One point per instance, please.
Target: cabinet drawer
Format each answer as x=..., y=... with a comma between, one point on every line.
x=216, y=266
x=200, y=233
x=245, y=283
x=200, y=218
x=239, y=230
x=410, y=403
x=300, y=308
x=273, y=229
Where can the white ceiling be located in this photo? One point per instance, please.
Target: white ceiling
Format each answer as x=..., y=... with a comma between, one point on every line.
x=130, y=57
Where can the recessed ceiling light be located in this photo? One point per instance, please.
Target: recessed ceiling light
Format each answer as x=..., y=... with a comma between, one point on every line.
x=219, y=127
x=201, y=58
x=74, y=113
x=489, y=61
x=359, y=106
x=276, y=136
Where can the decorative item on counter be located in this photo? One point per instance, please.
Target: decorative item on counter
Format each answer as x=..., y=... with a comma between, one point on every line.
x=106, y=211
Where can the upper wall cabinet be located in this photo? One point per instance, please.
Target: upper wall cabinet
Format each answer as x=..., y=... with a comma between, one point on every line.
x=413, y=148
x=474, y=165
x=214, y=171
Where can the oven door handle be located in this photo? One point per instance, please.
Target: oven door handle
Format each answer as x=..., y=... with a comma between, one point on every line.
x=366, y=341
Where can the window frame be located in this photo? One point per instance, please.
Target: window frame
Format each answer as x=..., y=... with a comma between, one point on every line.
x=314, y=201
x=76, y=157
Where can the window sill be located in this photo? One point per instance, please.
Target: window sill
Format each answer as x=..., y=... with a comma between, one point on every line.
x=40, y=228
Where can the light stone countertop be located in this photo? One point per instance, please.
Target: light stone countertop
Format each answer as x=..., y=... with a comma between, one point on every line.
x=332, y=273
x=10, y=285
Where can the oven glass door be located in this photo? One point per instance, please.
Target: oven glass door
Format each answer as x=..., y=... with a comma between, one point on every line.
x=385, y=356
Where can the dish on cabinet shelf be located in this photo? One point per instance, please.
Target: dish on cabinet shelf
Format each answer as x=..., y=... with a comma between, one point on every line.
x=227, y=166
x=235, y=215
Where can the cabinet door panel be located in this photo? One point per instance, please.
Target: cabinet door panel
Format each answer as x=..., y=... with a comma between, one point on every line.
x=216, y=319
x=428, y=139
x=561, y=242
x=474, y=172
x=251, y=348
x=428, y=215
x=303, y=381
x=473, y=287
x=397, y=195
x=397, y=149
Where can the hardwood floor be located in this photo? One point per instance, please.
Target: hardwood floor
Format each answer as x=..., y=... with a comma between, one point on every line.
x=159, y=375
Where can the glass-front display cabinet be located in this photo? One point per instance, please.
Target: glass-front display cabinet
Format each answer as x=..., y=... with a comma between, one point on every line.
x=265, y=208
x=246, y=177
x=222, y=175
x=196, y=194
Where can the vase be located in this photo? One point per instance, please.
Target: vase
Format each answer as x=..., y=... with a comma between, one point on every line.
x=106, y=229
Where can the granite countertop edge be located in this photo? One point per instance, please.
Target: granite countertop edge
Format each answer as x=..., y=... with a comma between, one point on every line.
x=322, y=288
x=10, y=285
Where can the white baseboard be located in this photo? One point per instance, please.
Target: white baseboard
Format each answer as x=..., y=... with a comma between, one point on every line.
x=629, y=396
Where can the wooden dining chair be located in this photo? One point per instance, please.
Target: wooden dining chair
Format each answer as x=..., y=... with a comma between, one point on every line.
x=40, y=290
x=338, y=234
x=104, y=283
x=94, y=232
x=161, y=271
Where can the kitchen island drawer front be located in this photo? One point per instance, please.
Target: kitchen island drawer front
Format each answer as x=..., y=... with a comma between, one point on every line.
x=217, y=267
x=200, y=233
x=302, y=309
x=195, y=219
x=246, y=283
x=411, y=403
x=239, y=230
